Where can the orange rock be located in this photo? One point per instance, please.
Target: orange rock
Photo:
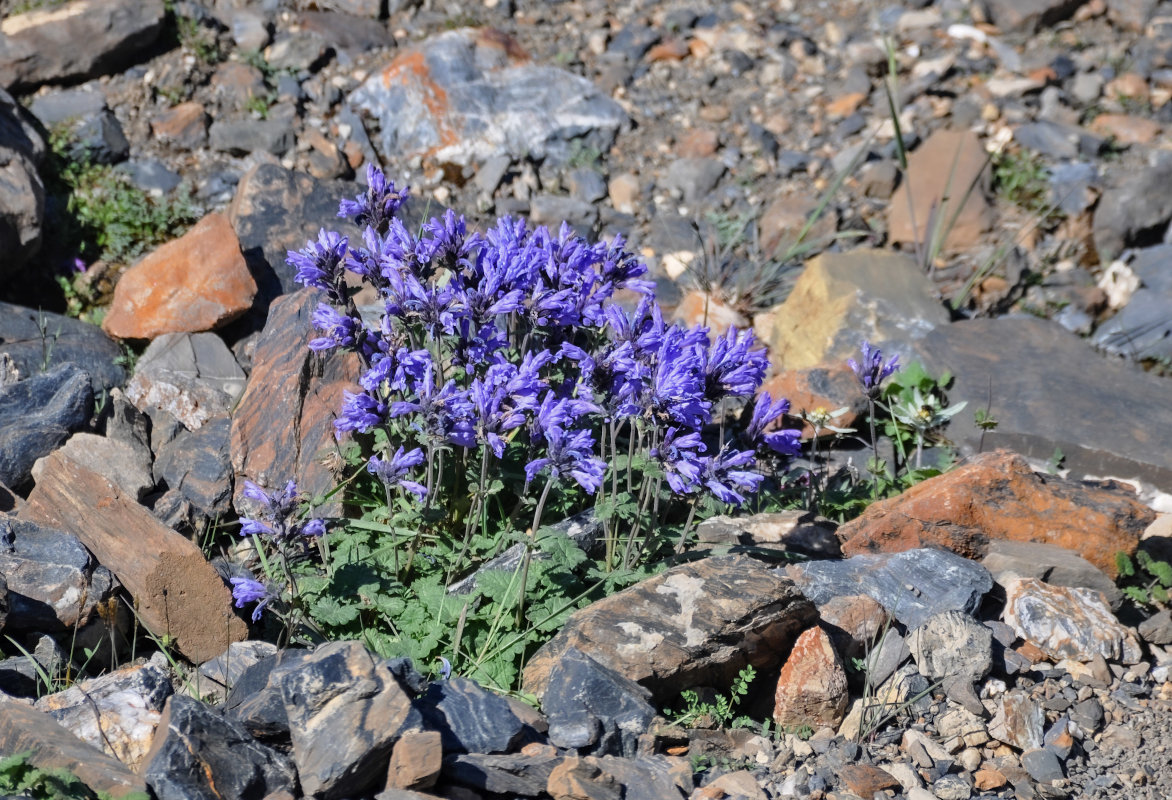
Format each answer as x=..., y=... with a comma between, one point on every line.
x=846, y=105
x=697, y=143
x=197, y=282
x=865, y=780
x=185, y=124
x=988, y=779
x=812, y=688
x=997, y=496
x=1126, y=128
x=416, y=761
x=671, y=50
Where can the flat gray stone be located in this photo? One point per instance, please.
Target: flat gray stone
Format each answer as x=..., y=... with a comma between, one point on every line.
x=462, y=98
x=1115, y=419
x=1050, y=563
x=37, y=341
x=913, y=586
x=36, y=416
x=241, y=137
x=470, y=718
x=1134, y=207
x=1043, y=765
x=1028, y=16
x=127, y=466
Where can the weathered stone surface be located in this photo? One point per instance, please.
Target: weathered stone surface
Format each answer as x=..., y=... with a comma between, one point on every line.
x=198, y=754
x=341, y=687
x=256, y=700
x=465, y=96
x=214, y=679
x=197, y=282
x=1035, y=366
x=197, y=465
x=243, y=136
x=509, y=775
x=1134, y=210
x=184, y=125
x=594, y=709
x=471, y=719
x=192, y=376
x=1028, y=16
x=784, y=220
x=842, y=298
x=865, y=780
x=116, y=713
x=1018, y=720
x=76, y=41
x=1055, y=565
x=945, y=189
x=952, y=645
x=120, y=462
x=283, y=424
x=22, y=192
x=913, y=585
x=347, y=30
x=785, y=531
x=37, y=415
x=578, y=779
x=1143, y=328
x=654, y=777
x=176, y=591
x=1157, y=628
x=812, y=688
x=52, y=585
x=853, y=623
x=997, y=496
x=695, y=624
x=416, y=760
x=65, y=340
x=23, y=729
x=1068, y=623
x=276, y=210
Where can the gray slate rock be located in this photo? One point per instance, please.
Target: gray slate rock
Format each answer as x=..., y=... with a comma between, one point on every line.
x=197, y=465
x=22, y=192
x=470, y=719
x=124, y=464
x=150, y=175
x=1034, y=367
x=1028, y=16
x=255, y=699
x=1072, y=187
x=37, y=415
x=52, y=581
x=1143, y=328
x=341, y=688
x=1050, y=563
x=913, y=586
x=593, y=709
x=84, y=40
x=461, y=99
x=1157, y=628
x=98, y=138
x=694, y=178
x=1043, y=765
x=1134, y=210
x=197, y=754
x=1057, y=141
x=218, y=676
x=497, y=775
x=244, y=136
x=62, y=105
x=64, y=340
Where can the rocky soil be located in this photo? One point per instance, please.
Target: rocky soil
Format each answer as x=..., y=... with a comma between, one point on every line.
x=985, y=187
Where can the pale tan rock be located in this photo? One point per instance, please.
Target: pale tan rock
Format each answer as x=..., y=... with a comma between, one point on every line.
x=197, y=282
x=1068, y=623
x=416, y=761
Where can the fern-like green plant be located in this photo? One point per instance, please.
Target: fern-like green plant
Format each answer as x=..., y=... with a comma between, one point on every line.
x=1143, y=579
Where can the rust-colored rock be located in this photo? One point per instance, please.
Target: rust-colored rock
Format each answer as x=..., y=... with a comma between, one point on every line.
x=698, y=143
x=1126, y=128
x=177, y=593
x=184, y=125
x=197, y=282
x=947, y=174
x=283, y=425
x=700, y=308
x=997, y=496
x=416, y=760
x=865, y=780
x=812, y=689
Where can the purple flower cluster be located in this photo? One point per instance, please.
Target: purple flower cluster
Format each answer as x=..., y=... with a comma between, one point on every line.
x=278, y=516
x=514, y=336
x=873, y=370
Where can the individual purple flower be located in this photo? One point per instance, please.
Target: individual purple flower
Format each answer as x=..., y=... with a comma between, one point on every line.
x=568, y=453
x=278, y=515
x=496, y=411
x=623, y=270
x=320, y=264
x=337, y=329
x=444, y=240
x=393, y=471
x=786, y=442
x=440, y=414
x=677, y=384
x=360, y=412
x=247, y=590
x=728, y=479
x=872, y=371
x=734, y=368
x=377, y=204
x=682, y=460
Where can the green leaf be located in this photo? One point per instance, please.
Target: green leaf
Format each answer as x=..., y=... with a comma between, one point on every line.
x=329, y=611
x=1137, y=594
x=1124, y=565
x=1161, y=571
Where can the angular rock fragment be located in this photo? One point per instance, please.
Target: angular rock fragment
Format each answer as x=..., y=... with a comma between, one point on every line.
x=952, y=645
x=193, y=377
x=199, y=755
x=695, y=624
x=470, y=719
x=38, y=341
x=37, y=415
x=812, y=688
x=1068, y=623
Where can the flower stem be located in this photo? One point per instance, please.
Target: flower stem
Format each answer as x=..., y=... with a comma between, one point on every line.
x=529, y=549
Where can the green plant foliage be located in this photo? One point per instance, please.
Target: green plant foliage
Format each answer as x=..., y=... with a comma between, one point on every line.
x=1145, y=580
x=19, y=776
x=1022, y=178
x=721, y=713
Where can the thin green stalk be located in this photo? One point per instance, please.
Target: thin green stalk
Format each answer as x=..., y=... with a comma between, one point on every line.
x=529, y=549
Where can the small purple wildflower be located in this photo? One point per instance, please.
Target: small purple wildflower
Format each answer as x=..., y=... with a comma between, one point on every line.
x=319, y=264
x=872, y=371
x=393, y=471
x=730, y=474
x=279, y=513
x=377, y=204
x=247, y=590
x=734, y=368
x=569, y=453
x=682, y=461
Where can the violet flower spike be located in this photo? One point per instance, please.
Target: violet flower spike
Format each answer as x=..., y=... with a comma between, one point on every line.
x=377, y=204
x=393, y=471
x=320, y=264
x=872, y=371
x=247, y=590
